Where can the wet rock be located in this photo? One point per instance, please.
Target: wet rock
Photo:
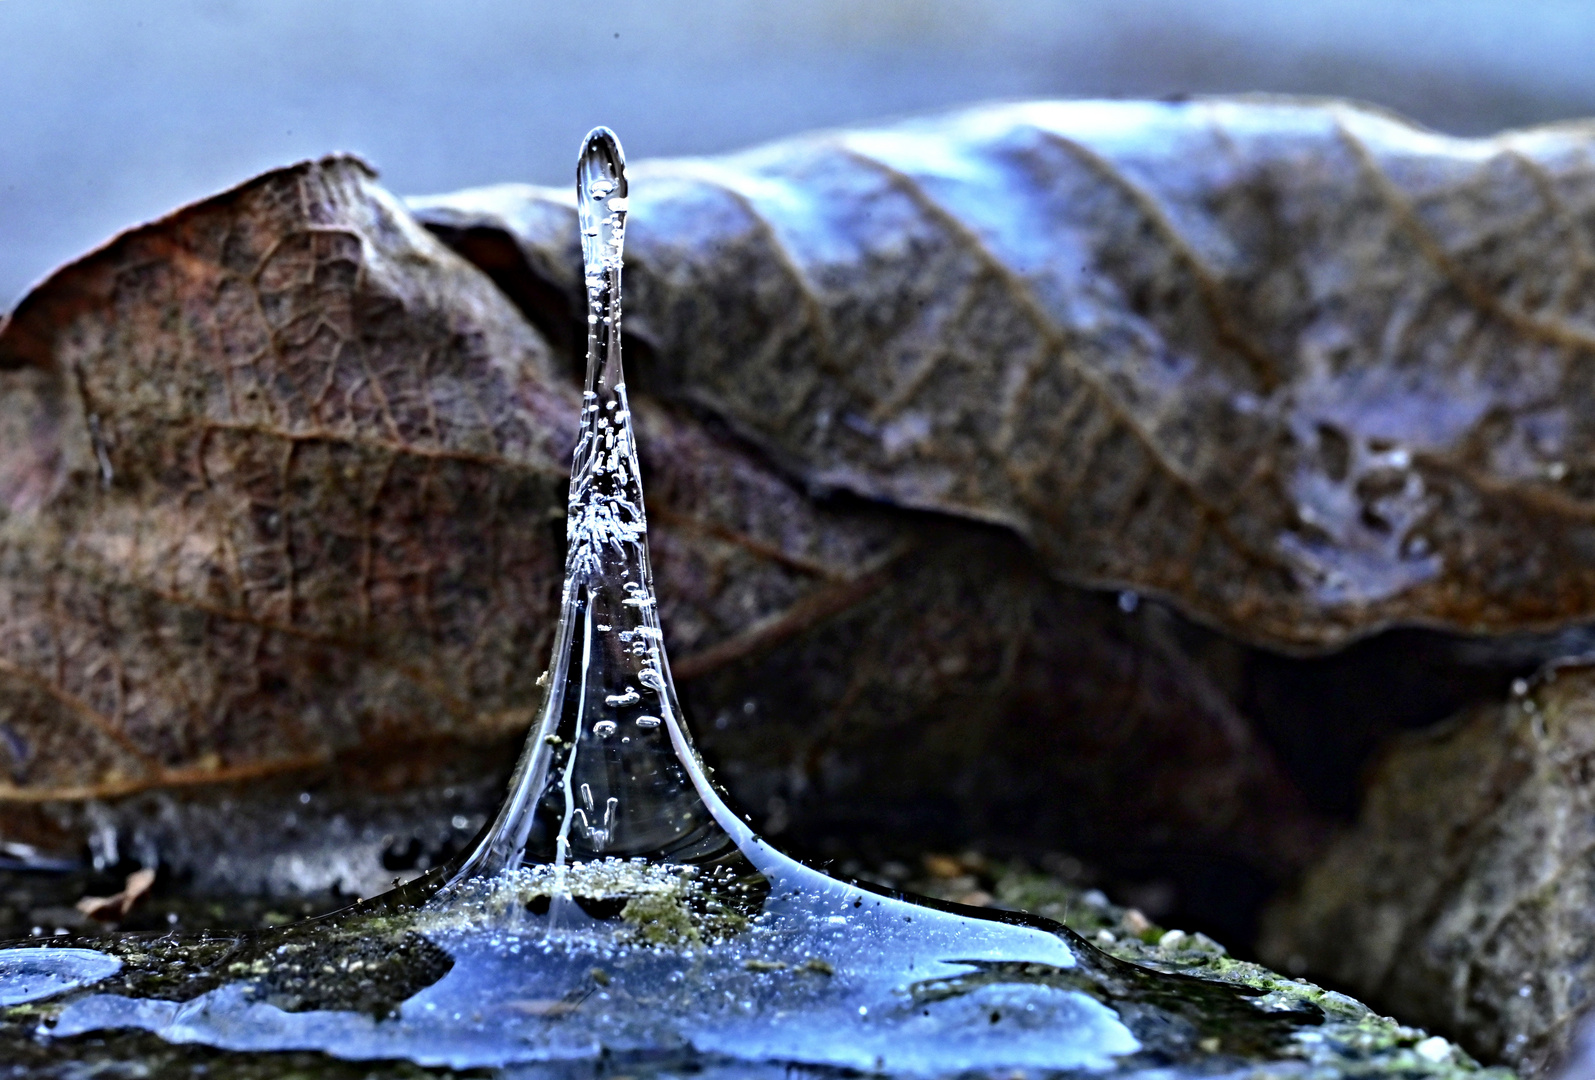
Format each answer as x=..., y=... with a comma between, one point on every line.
x=1465, y=897
x=1220, y=1015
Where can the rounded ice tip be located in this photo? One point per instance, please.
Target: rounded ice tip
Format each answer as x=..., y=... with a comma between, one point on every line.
x=602, y=163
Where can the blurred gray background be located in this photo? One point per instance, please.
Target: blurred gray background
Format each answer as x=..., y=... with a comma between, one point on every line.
x=114, y=111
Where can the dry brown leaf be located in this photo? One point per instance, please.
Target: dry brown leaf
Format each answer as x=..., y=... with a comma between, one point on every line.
x=273, y=443
x=285, y=485
x=1301, y=366
x=294, y=484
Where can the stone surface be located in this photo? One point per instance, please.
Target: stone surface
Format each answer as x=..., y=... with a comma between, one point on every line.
x=1251, y=1022
x=1465, y=897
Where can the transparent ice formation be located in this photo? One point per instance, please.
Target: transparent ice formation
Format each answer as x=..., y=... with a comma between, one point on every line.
x=35, y=974
x=617, y=906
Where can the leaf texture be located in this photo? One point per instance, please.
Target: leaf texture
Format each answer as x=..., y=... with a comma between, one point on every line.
x=277, y=437
x=284, y=490
x=1300, y=366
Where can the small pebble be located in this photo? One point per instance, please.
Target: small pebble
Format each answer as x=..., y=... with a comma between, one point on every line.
x=1434, y=1049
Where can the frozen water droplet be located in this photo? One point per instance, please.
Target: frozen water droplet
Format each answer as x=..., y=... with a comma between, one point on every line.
x=604, y=728
x=647, y=721
x=621, y=700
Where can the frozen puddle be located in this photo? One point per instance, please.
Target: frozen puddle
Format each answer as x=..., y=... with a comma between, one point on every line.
x=35, y=974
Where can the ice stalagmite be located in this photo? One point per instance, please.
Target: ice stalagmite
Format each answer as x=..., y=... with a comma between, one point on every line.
x=609, y=770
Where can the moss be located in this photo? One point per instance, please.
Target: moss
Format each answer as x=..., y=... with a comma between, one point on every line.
x=358, y=972
x=661, y=920
x=1348, y=1038
x=667, y=906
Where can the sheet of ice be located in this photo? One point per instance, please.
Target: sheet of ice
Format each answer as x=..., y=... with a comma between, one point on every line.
x=35, y=974
x=824, y=977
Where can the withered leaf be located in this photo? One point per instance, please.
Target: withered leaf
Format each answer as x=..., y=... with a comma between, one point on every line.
x=284, y=484
x=272, y=445
x=294, y=483
x=1301, y=366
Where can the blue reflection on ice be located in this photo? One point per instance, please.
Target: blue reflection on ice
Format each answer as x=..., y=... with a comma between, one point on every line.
x=34, y=974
